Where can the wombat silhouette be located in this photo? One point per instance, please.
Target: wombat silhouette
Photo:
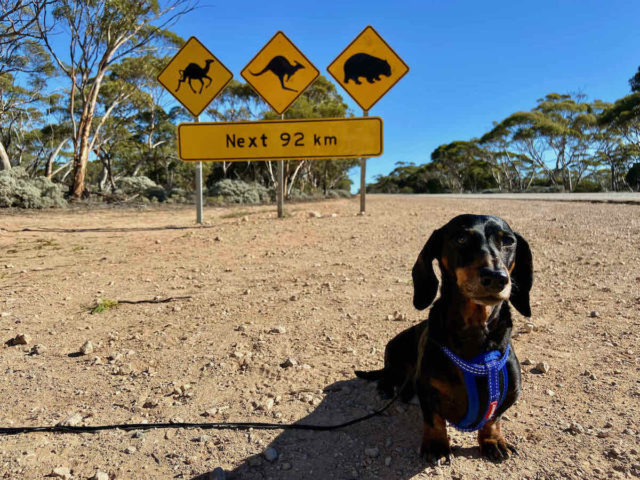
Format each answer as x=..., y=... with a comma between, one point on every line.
x=367, y=66
x=281, y=68
x=193, y=71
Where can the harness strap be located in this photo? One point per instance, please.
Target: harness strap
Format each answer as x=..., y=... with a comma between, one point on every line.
x=493, y=366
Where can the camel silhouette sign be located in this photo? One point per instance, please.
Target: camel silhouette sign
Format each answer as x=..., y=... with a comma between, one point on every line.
x=194, y=76
x=280, y=72
x=367, y=68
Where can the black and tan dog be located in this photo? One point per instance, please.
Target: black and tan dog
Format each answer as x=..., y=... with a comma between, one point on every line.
x=460, y=361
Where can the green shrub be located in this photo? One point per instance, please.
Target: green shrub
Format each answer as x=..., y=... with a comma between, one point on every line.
x=588, y=186
x=237, y=191
x=18, y=190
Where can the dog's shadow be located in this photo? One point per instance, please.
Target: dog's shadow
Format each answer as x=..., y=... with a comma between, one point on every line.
x=384, y=446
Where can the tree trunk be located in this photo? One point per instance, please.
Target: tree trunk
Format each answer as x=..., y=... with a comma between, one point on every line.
x=81, y=158
x=5, y=164
x=52, y=158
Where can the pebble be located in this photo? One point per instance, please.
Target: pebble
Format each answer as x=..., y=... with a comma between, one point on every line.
x=289, y=362
x=100, y=476
x=20, y=339
x=130, y=450
x=575, y=428
x=315, y=215
x=543, y=367
x=61, y=472
x=529, y=327
x=38, y=349
x=86, y=348
x=72, y=420
x=527, y=361
x=387, y=461
x=372, y=452
x=594, y=314
x=217, y=474
x=551, y=393
x=203, y=438
x=270, y=454
x=278, y=329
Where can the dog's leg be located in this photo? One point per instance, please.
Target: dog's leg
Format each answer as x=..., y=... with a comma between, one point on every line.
x=492, y=443
x=435, y=441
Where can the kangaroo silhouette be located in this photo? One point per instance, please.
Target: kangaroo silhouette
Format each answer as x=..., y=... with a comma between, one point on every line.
x=281, y=68
x=193, y=71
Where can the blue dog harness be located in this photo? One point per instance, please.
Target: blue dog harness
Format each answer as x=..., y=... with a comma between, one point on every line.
x=490, y=365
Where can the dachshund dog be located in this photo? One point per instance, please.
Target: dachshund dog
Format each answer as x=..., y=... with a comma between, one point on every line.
x=460, y=361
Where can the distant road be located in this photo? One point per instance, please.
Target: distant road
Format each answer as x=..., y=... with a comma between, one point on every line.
x=606, y=197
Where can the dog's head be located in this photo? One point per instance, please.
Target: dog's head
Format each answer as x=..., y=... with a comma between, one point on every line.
x=486, y=260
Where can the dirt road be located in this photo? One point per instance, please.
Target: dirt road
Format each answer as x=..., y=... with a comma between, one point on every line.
x=322, y=292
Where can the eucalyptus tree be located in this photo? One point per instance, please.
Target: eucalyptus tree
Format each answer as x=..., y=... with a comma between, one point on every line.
x=464, y=166
x=100, y=33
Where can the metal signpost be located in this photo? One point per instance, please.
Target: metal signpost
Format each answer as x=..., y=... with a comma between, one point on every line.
x=279, y=73
x=194, y=76
x=367, y=69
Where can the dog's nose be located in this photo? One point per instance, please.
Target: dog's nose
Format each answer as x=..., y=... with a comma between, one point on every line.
x=493, y=280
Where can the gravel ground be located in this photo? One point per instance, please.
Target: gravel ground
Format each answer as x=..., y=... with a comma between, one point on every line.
x=280, y=313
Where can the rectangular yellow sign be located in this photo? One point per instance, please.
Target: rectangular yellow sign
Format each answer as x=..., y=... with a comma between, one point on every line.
x=280, y=139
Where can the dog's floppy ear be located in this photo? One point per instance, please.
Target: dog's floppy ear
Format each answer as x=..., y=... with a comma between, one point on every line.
x=425, y=282
x=522, y=277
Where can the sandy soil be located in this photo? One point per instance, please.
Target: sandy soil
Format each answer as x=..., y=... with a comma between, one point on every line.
x=332, y=282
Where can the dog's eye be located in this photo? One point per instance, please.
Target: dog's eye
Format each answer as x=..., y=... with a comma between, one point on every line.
x=461, y=239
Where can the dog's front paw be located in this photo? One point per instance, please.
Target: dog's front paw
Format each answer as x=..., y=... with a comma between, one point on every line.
x=497, y=449
x=436, y=452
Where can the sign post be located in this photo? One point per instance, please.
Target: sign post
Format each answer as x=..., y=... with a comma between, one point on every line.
x=279, y=73
x=367, y=69
x=194, y=76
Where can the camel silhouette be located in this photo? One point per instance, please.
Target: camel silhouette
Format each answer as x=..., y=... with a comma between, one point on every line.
x=281, y=68
x=193, y=71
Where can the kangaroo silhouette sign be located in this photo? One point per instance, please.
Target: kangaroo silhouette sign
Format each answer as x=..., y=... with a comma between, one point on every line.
x=194, y=76
x=279, y=72
x=367, y=68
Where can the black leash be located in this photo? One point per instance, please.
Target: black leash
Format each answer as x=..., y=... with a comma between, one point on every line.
x=204, y=426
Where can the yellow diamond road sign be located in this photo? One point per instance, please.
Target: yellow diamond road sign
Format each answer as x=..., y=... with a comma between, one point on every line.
x=368, y=68
x=194, y=76
x=279, y=72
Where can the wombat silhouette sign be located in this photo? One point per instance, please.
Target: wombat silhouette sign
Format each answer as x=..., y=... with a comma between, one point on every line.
x=367, y=68
x=280, y=72
x=194, y=76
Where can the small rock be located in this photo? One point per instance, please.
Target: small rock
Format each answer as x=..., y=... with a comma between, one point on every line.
x=150, y=403
x=61, y=472
x=551, y=393
x=217, y=474
x=289, y=362
x=130, y=450
x=203, y=439
x=529, y=327
x=286, y=466
x=86, y=348
x=315, y=215
x=269, y=404
x=72, y=420
x=542, y=367
x=100, y=476
x=575, y=428
x=527, y=361
x=270, y=454
x=278, y=329
x=372, y=452
x=387, y=461
x=594, y=314
x=20, y=339
x=38, y=349
x=212, y=412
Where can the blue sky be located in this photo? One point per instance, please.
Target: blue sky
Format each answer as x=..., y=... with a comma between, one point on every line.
x=471, y=62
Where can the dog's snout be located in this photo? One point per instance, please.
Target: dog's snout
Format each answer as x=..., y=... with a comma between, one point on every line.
x=494, y=280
